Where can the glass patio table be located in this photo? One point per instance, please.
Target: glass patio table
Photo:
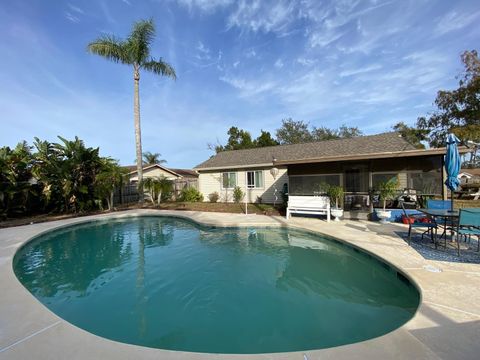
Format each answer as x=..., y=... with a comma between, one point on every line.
x=448, y=216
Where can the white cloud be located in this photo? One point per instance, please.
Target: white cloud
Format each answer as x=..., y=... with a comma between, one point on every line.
x=306, y=62
x=361, y=70
x=250, y=53
x=235, y=64
x=76, y=9
x=204, y=5
x=69, y=16
x=455, y=21
x=278, y=64
x=256, y=15
x=248, y=88
x=203, y=52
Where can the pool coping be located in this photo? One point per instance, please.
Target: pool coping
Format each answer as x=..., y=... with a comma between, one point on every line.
x=446, y=308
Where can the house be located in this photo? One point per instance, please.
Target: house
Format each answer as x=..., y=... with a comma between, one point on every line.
x=157, y=170
x=469, y=175
x=357, y=164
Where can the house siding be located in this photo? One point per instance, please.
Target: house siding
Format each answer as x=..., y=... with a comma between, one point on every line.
x=211, y=181
x=155, y=172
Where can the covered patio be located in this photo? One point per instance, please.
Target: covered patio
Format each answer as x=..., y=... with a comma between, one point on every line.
x=419, y=172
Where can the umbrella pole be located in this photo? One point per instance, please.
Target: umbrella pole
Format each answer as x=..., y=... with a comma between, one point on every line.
x=451, y=198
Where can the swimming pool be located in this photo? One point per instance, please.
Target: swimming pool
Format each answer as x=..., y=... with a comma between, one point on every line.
x=170, y=283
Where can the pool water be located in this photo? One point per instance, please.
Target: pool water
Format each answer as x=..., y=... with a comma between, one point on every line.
x=169, y=283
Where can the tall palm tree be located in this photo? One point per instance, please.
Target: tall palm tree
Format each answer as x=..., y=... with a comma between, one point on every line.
x=150, y=158
x=134, y=51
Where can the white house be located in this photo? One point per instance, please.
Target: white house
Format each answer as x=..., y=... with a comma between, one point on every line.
x=357, y=164
x=157, y=170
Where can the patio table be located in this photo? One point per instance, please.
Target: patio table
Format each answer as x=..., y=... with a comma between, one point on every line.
x=446, y=215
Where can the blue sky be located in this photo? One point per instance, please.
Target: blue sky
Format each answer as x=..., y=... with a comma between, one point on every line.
x=367, y=63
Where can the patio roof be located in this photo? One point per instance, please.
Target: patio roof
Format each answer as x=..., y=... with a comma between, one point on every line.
x=386, y=145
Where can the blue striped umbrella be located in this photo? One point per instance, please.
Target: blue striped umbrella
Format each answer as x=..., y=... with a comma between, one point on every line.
x=452, y=163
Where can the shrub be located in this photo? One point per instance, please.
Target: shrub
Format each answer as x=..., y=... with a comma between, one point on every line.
x=190, y=194
x=387, y=190
x=237, y=194
x=213, y=197
x=335, y=193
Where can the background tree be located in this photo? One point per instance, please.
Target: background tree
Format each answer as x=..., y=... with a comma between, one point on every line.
x=413, y=135
x=134, y=51
x=343, y=132
x=237, y=139
x=110, y=177
x=265, y=139
x=15, y=175
x=150, y=158
x=293, y=132
x=457, y=110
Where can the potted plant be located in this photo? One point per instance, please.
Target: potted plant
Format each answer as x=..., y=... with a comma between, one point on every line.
x=387, y=191
x=335, y=193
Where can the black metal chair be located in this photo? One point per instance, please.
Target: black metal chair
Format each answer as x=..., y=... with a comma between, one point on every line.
x=416, y=221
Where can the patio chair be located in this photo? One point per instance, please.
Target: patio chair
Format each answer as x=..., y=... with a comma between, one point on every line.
x=443, y=205
x=438, y=204
x=468, y=225
x=417, y=221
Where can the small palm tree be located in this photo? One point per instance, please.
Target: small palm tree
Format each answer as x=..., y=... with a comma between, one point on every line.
x=134, y=51
x=150, y=158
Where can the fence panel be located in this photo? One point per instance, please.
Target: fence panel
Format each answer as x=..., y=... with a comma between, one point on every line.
x=126, y=194
x=129, y=192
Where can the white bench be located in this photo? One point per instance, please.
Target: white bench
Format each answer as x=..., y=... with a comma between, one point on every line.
x=316, y=205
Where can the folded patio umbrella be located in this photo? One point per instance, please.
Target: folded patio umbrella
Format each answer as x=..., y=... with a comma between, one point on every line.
x=452, y=164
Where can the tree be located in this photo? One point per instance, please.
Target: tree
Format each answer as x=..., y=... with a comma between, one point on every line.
x=15, y=176
x=134, y=51
x=346, y=132
x=296, y=132
x=293, y=132
x=457, y=110
x=237, y=139
x=150, y=158
x=265, y=139
x=110, y=176
x=156, y=186
x=413, y=135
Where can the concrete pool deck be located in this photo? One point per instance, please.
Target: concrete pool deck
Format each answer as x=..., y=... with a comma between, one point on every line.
x=446, y=325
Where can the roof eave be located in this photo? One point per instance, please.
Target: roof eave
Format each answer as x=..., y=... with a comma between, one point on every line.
x=383, y=155
x=155, y=165
x=233, y=167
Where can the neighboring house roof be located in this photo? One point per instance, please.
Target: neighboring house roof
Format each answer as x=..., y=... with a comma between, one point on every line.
x=361, y=147
x=185, y=172
x=475, y=172
x=176, y=172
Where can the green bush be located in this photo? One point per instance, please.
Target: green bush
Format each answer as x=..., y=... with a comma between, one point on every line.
x=237, y=194
x=190, y=194
x=213, y=197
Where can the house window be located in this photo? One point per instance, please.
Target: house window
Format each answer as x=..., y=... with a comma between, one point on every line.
x=229, y=180
x=311, y=184
x=254, y=179
x=378, y=178
x=425, y=182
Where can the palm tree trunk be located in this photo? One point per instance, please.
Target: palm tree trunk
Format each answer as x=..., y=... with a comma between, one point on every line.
x=138, y=134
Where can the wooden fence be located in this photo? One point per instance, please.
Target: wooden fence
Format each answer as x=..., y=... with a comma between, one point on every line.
x=129, y=193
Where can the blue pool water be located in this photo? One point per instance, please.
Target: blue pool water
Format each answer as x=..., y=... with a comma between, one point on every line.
x=169, y=283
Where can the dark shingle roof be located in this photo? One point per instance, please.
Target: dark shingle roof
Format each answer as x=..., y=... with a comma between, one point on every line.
x=362, y=145
x=181, y=172
x=185, y=172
